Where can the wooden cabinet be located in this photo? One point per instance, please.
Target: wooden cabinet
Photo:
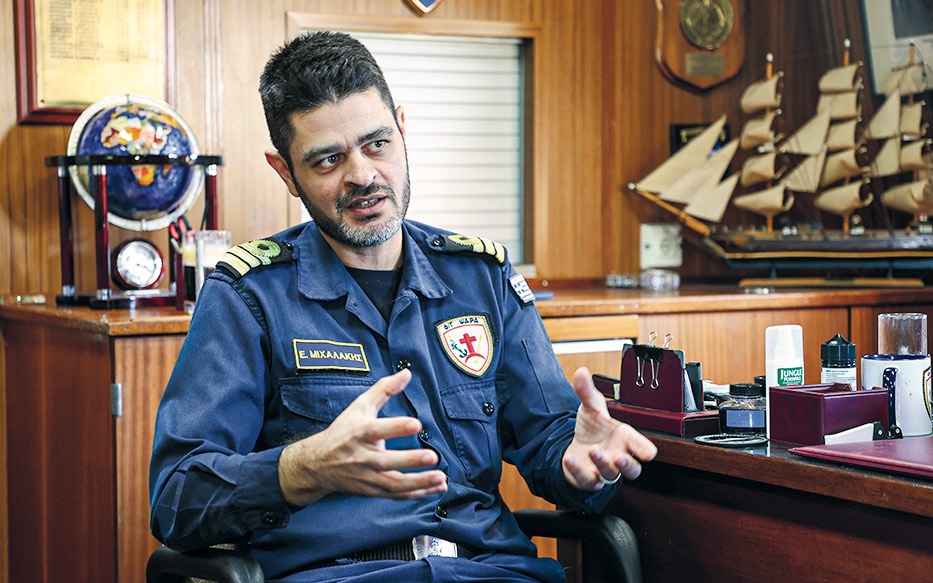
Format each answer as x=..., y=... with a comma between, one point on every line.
x=82, y=388
x=82, y=392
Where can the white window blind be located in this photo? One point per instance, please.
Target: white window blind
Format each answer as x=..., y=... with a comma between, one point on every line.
x=463, y=99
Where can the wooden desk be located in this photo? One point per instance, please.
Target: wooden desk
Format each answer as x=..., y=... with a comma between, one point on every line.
x=704, y=513
x=76, y=475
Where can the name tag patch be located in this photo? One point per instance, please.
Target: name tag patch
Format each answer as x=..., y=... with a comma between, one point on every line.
x=329, y=355
x=467, y=341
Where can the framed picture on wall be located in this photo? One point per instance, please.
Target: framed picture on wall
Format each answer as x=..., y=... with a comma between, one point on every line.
x=72, y=53
x=891, y=27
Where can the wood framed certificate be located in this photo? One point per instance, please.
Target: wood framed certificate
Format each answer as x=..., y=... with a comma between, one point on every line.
x=72, y=53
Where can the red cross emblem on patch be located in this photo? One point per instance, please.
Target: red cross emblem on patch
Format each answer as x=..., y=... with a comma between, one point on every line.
x=467, y=341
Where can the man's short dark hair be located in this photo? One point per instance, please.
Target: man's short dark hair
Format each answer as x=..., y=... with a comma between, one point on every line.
x=311, y=70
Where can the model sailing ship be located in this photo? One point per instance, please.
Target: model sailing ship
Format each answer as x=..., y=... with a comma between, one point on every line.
x=818, y=166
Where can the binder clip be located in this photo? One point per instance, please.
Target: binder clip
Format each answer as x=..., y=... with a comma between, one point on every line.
x=657, y=389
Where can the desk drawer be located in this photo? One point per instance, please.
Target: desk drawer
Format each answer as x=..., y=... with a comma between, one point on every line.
x=592, y=327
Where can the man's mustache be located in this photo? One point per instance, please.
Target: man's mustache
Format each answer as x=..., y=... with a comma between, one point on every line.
x=363, y=191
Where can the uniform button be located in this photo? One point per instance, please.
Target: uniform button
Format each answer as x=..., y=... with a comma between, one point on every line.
x=402, y=364
x=488, y=408
x=442, y=512
x=423, y=434
x=270, y=518
x=437, y=242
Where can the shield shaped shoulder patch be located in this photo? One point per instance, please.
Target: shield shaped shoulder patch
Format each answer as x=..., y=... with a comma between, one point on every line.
x=467, y=341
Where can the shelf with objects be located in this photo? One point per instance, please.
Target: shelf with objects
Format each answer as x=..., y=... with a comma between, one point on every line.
x=137, y=165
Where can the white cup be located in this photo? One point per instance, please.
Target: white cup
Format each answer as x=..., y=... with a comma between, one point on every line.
x=911, y=388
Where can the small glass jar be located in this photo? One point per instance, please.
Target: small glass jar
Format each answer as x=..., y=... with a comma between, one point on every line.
x=744, y=411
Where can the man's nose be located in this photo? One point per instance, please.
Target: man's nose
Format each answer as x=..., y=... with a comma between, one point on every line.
x=359, y=170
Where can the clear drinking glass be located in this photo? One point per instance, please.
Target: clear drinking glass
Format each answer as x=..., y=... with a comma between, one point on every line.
x=201, y=251
x=902, y=333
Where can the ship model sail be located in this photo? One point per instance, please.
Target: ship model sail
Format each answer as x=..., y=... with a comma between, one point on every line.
x=760, y=170
x=902, y=130
x=823, y=165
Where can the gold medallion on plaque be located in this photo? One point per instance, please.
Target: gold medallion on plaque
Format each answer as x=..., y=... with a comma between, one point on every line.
x=700, y=42
x=707, y=23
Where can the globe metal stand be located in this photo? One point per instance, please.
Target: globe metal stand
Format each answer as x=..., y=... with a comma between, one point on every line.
x=105, y=297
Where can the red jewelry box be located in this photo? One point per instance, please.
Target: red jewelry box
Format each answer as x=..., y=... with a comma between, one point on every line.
x=805, y=414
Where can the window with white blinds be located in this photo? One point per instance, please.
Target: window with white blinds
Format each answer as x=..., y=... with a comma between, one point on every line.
x=464, y=108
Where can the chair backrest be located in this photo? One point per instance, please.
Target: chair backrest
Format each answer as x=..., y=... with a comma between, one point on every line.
x=611, y=539
x=221, y=565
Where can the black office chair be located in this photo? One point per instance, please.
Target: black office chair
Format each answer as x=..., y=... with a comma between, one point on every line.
x=611, y=555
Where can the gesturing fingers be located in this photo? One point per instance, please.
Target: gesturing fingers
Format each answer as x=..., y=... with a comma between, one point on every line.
x=381, y=460
x=376, y=431
x=379, y=394
x=351, y=456
x=612, y=469
x=640, y=447
x=586, y=391
x=388, y=473
x=406, y=486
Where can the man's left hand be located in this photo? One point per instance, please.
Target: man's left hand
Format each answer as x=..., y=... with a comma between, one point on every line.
x=603, y=449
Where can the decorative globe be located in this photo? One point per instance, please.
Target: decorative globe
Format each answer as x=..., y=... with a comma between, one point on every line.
x=139, y=197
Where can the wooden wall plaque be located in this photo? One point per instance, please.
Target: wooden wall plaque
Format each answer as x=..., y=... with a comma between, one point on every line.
x=700, y=42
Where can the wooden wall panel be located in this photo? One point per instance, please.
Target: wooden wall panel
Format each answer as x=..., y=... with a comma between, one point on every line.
x=601, y=115
x=568, y=130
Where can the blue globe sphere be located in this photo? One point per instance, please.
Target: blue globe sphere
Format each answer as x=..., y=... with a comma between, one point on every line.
x=137, y=196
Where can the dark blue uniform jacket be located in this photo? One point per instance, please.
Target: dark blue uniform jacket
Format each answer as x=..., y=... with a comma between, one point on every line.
x=277, y=353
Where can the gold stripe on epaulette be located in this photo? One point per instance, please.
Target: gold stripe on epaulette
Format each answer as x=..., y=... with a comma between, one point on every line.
x=236, y=263
x=481, y=245
x=246, y=256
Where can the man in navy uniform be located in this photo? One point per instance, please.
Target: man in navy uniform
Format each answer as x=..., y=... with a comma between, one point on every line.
x=349, y=387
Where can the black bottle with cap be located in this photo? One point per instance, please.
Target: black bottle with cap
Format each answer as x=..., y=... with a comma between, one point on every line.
x=838, y=358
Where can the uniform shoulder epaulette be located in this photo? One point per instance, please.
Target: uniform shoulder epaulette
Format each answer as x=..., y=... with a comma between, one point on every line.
x=461, y=243
x=245, y=256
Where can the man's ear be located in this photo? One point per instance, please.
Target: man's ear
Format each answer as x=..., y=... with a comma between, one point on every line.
x=400, y=119
x=279, y=164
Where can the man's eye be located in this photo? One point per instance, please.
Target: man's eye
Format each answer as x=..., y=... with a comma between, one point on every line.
x=378, y=145
x=328, y=161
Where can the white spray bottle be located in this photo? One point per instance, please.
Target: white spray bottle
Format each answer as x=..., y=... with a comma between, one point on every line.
x=783, y=361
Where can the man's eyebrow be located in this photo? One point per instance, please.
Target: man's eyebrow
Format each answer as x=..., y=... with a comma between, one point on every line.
x=380, y=132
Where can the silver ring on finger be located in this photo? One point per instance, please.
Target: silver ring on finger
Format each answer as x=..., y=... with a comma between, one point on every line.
x=606, y=482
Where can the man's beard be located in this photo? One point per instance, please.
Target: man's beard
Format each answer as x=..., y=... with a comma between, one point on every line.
x=366, y=235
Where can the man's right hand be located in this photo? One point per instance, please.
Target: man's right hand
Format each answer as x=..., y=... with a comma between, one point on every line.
x=350, y=456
